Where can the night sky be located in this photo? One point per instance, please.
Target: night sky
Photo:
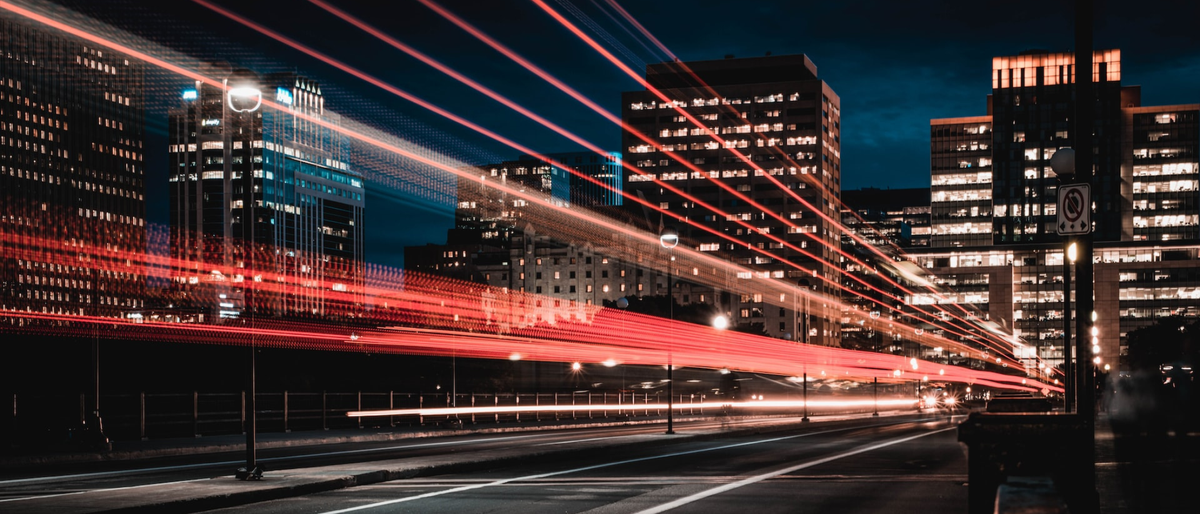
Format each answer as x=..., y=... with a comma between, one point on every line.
x=895, y=65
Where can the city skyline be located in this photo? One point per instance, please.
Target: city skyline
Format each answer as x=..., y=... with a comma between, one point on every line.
x=926, y=216
x=887, y=127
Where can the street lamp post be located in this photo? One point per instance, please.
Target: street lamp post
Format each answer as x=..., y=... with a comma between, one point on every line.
x=622, y=303
x=876, y=388
x=243, y=98
x=669, y=239
x=805, y=283
x=1076, y=167
x=805, y=418
x=1084, y=115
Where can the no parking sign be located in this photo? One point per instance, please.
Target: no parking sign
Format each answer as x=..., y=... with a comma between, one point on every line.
x=1074, y=209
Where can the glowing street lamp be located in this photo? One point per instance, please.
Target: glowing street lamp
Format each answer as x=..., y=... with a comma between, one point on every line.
x=720, y=322
x=669, y=238
x=244, y=98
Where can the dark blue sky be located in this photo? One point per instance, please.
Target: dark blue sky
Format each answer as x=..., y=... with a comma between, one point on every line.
x=895, y=65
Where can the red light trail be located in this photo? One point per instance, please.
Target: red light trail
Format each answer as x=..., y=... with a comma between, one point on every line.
x=574, y=94
x=608, y=226
x=696, y=347
x=499, y=98
x=850, y=233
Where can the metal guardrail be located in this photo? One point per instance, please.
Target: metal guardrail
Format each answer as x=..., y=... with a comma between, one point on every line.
x=163, y=415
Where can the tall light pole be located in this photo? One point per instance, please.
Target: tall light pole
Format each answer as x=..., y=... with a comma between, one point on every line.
x=876, y=410
x=805, y=284
x=1084, y=115
x=1083, y=121
x=669, y=239
x=244, y=97
x=622, y=303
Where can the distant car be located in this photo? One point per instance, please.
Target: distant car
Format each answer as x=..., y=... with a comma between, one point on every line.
x=942, y=401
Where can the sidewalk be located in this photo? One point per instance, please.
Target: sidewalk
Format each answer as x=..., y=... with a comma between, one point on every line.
x=174, y=447
x=225, y=491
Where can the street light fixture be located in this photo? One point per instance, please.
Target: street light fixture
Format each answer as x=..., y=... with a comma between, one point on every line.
x=720, y=322
x=669, y=239
x=622, y=303
x=242, y=98
x=876, y=396
x=804, y=338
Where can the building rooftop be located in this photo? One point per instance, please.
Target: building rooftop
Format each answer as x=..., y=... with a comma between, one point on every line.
x=730, y=71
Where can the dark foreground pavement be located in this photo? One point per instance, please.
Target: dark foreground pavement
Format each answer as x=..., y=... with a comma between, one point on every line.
x=1135, y=472
x=193, y=495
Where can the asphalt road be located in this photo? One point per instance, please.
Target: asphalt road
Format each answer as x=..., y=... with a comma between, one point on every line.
x=874, y=466
x=49, y=481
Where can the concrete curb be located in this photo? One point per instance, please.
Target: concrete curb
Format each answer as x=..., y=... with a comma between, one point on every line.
x=304, y=439
x=316, y=439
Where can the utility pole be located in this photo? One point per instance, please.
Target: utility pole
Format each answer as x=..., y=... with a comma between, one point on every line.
x=1085, y=106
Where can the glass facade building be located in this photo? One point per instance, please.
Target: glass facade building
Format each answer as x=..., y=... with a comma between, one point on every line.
x=263, y=193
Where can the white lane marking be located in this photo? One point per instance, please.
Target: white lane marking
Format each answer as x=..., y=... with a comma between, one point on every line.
x=584, y=440
x=272, y=459
x=598, y=466
x=100, y=490
x=759, y=478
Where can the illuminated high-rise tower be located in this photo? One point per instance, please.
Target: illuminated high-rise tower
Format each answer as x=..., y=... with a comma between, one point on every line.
x=991, y=176
x=994, y=205
x=260, y=185
x=778, y=136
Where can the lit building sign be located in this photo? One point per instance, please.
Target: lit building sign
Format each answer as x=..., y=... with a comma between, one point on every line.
x=190, y=94
x=211, y=122
x=283, y=95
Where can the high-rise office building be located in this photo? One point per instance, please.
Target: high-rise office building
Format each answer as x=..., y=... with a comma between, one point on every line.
x=771, y=133
x=1165, y=179
x=260, y=192
x=1031, y=111
x=991, y=176
x=72, y=176
x=961, y=181
x=994, y=205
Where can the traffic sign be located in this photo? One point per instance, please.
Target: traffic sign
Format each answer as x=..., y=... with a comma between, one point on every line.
x=1074, y=210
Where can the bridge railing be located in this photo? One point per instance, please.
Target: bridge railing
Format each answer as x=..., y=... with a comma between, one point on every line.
x=165, y=415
